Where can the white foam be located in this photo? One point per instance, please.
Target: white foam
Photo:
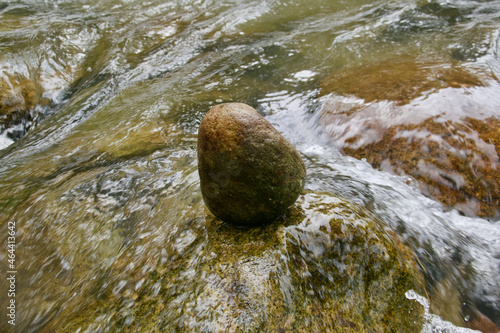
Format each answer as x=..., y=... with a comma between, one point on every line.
x=5, y=142
x=434, y=323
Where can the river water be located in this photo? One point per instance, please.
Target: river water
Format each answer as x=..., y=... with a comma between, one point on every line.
x=100, y=176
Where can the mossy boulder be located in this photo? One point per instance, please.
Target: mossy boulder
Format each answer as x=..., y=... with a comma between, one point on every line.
x=445, y=142
x=249, y=173
x=326, y=266
x=17, y=96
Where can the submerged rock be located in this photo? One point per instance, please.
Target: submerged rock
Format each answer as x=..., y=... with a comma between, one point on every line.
x=18, y=99
x=400, y=81
x=449, y=141
x=327, y=266
x=249, y=173
x=17, y=96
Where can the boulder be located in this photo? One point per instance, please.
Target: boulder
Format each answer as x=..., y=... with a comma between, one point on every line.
x=398, y=80
x=326, y=266
x=249, y=173
x=449, y=141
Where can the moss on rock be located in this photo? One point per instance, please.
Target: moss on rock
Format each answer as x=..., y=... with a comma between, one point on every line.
x=453, y=158
x=18, y=98
x=456, y=170
x=327, y=266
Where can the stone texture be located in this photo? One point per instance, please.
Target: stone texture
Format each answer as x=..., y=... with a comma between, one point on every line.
x=327, y=266
x=249, y=173
x=18, y=98
x=397, y=80
x=449, y=141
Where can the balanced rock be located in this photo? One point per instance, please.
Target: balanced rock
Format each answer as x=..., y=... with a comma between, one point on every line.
x=250, y=174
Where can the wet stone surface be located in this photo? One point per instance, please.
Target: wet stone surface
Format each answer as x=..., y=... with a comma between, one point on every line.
x=112, y=231
x=400, y=80
x=422, y=120
x=17, y=101
x=249, y=173
x=328, y=265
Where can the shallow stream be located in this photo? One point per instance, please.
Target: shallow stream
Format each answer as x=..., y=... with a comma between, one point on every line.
x=393, y=105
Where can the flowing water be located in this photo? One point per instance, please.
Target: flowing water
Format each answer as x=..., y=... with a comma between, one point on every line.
x=99, y=173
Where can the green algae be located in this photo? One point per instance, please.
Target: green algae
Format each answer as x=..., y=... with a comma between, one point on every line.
x=328, y=265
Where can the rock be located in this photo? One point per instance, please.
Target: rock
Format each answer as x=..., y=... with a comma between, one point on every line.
x=249, y=173
x=18, y=99
x=327, y=266
x=449, y=141
x=397, y=80
x=17, y=96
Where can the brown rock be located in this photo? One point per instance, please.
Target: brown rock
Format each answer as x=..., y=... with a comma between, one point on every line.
x=249, y=173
